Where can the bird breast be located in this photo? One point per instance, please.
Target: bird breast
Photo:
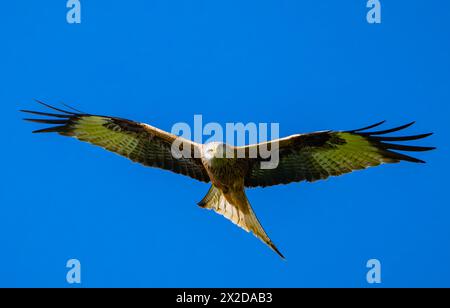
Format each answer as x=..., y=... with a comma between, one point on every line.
x=226, y=172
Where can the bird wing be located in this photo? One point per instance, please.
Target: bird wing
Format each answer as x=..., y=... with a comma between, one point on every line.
x=318, y=155
x=139, y=142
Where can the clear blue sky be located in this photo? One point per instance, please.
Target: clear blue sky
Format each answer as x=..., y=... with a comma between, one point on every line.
x=308, y=65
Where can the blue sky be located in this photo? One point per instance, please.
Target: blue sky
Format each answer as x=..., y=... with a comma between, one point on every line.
x=308, y=65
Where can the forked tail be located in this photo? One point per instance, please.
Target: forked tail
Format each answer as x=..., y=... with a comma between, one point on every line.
x=235, y=207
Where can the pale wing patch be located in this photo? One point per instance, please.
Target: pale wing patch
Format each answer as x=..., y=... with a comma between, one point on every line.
x=92, y=129
x=356, y=154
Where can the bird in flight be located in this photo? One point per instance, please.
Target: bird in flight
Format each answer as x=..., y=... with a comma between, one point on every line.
x=302, y=157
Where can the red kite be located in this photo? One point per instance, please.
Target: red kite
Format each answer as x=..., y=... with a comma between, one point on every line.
x=302, y=157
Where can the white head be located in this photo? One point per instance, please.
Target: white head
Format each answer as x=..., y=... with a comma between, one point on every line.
x=214, y=151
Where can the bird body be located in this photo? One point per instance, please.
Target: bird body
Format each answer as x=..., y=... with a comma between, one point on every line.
x=302, y=157
x=227, y=193
x=226, y=173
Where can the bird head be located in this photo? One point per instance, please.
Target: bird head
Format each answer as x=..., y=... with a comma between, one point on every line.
x=215, y=151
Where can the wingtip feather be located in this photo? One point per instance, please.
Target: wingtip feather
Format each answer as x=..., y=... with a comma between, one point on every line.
x=54, y=108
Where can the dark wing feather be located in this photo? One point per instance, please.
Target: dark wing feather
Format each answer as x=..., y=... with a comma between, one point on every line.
x=315, y=156
x=139, y=142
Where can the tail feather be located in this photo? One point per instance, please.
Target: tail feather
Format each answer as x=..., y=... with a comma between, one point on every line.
x=239, y=211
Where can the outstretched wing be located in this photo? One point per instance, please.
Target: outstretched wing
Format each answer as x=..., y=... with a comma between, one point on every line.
x=319, y=155
x=139, y=142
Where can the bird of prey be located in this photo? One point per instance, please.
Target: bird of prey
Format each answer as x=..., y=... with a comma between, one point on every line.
x=302, y=157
